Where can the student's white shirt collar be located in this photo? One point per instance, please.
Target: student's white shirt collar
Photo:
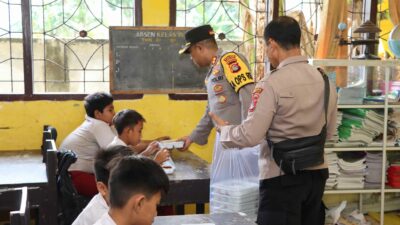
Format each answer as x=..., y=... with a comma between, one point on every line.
x=118, y=141
x=93, y=120
x=105, y=220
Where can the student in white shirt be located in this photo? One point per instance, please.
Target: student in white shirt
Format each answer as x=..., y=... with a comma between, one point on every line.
x=129, y=125
x=135, y=189
x=93, y=134
x=104, y=162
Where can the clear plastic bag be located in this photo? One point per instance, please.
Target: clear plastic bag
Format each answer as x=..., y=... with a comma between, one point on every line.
x=234, y=172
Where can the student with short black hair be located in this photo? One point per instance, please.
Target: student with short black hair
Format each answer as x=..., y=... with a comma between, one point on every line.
x=104, y=162
x=93, y=134
x=135, y=188
x=129, y=125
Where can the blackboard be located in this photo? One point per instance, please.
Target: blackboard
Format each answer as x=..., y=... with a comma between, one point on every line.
x=146, y=60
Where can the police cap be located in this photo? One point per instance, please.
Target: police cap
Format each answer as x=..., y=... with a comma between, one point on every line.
x=196, y=35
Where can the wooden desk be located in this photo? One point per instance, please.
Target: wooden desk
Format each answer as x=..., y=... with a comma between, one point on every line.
x=190, y=183
x=217, y=219
x=25, y=168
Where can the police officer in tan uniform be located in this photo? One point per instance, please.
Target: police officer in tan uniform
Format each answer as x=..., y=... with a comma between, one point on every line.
x=287, y=105
x=229, y=86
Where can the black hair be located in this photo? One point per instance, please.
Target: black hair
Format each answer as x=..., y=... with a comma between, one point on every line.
x=97, y=101
x=107, y=159
x=134, y=175
x=285, y=31
x=126, y=118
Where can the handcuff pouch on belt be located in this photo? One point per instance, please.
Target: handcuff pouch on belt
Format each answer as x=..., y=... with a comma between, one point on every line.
x=293, y=155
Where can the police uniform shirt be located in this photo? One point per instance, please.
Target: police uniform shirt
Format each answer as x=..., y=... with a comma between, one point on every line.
x=96, y=208
x=287, y=104
x=229, y=86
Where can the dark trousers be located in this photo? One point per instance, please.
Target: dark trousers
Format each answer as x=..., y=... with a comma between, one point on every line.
x=293, y=199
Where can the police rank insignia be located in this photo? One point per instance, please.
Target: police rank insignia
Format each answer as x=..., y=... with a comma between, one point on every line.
x=236, y=71
x=215, y=72
x=254, y=99
x=222, y=99
x=218, y=88
x=216, y=79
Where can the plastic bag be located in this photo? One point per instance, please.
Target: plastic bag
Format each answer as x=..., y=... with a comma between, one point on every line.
x=234, y=175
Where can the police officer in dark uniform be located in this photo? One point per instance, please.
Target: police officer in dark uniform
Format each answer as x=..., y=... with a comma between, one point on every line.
x=293, y=112
x=229, y=86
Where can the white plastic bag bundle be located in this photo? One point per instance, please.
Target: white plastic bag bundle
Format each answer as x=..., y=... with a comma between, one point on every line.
x=234, y=180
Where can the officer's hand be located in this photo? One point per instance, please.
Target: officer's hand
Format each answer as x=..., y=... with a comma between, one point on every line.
x=220, y=122
x=186, y=144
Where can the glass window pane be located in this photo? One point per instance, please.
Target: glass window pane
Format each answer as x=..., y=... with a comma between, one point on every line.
x=11, y=54
x=71, y=42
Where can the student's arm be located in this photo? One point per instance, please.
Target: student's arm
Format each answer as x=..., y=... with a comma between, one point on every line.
x=145, y=143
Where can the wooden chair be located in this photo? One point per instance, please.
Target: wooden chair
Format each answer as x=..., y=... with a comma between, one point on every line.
x=51, y=170
x=21, y=216
x=49, y=132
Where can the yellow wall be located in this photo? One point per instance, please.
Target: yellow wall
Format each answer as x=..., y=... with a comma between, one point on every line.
x=22, y=122
x=155, y=12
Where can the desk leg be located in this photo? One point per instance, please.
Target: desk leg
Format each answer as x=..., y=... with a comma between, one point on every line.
x=180, y=209
x=199, y=208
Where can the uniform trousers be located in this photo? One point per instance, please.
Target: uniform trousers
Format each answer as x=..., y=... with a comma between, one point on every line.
x=293, y=199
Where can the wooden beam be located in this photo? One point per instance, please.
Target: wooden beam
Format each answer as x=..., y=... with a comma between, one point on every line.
x=27, y=46
x=172, y=13
x=138, y=13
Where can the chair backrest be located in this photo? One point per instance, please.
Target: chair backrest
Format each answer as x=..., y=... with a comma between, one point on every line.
x=21, y=216
x=49, y=132
x=70, y=202
x=51, y=171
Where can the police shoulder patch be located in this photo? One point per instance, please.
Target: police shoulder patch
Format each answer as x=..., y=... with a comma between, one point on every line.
x=236, y=71
x=254, y=99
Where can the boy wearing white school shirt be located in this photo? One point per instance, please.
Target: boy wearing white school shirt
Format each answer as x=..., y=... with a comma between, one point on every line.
x=135, y=189
x=129, y=125
x=105, y=160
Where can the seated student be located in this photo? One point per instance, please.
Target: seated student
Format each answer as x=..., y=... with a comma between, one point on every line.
x=93, y=134
x=129, y=125
x=135, y=189
x=104, y=162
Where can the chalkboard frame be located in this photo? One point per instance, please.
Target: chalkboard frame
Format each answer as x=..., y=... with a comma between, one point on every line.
x=145, y=91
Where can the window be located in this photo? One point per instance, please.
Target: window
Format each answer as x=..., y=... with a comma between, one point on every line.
x=235, y=22
x=69, y=44
x=11, y=57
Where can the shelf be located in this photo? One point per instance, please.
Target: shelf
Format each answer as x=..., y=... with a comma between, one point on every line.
x=346, y=62
x=352, y=149
x=352, y=191
x=394, y=106
x=392, y=148
x=364, y=106
x=389, y=189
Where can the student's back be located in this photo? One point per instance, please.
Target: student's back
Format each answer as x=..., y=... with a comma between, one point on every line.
x=92, y=135
x=86, y=140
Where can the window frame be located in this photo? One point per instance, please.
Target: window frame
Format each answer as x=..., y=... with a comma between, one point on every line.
x=27, y=47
